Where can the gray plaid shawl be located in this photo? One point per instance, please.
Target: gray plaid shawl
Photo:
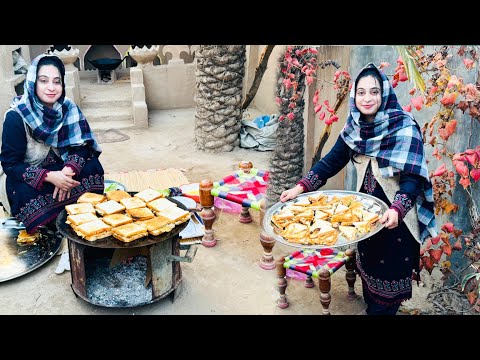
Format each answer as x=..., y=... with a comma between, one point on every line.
x=395, y=140
x=62, y=126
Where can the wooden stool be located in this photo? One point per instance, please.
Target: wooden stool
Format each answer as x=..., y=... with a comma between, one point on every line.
x=247, y=187
x=319, y=263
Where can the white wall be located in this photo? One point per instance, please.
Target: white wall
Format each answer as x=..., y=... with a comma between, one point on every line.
x=170, y=86
x=265, y=98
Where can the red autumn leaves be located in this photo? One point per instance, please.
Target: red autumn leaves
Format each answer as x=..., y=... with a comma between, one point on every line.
x=466, y=164
x=435, y=247
x=341, y=83
x=297, y=62
x=331, y=117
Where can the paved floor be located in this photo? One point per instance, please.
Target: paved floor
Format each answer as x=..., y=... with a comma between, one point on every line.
x=225, y=279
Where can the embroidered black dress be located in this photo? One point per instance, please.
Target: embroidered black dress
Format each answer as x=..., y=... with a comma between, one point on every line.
x=386, y=260
x=30, y=196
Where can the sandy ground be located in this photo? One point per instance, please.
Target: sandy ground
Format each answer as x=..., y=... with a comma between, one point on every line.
x=225, y=279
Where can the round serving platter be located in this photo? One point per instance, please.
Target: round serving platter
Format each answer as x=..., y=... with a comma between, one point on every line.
x=17, y=260
x=369, y=202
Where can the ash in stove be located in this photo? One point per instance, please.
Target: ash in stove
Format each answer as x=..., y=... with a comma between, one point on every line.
x=119, y=286
x=105, y=75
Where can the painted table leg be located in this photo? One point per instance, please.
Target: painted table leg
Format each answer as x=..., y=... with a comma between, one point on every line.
x=309, y=282
x=207, y=213
x=324, y=283
x=267, y=262
x=245, y=216
x=350, y=276
x=282, y=301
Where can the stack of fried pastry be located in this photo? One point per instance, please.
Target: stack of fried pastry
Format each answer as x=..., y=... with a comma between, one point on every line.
x=320, y=220
x=125, y=217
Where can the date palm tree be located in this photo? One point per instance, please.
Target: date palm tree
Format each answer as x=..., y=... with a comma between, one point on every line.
x=286, y=162
x=219, y=79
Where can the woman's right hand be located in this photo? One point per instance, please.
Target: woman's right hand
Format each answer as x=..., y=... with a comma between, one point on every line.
x=61, y=181
x=291, y=193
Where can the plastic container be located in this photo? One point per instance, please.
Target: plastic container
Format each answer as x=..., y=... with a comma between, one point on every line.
x=113, y=185
x=227, y=205
x=261, y=121
x=295, y=275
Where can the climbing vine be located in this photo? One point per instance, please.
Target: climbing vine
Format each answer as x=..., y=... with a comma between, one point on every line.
x=436, y=84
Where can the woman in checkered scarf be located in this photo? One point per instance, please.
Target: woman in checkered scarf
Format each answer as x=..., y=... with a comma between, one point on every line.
x=385, y=144
x=49, y=155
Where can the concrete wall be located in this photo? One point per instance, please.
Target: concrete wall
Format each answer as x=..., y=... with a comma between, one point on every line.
x=36, y=50
x=264, y=100
x=174, y=52
x=170, y=86
x=253, y=53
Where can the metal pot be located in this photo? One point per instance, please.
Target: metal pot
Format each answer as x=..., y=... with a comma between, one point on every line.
x=105, y=64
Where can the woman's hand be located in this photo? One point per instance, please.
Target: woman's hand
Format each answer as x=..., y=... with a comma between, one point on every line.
x=67, y=170
x=291, y=193
x=61, y=181
x=390, y=219
x=62, y=194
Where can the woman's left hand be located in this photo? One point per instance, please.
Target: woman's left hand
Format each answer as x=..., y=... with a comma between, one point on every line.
x=390, y=219
x=62, y=194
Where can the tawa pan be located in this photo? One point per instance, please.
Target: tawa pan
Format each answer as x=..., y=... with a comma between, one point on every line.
x=110, y=242
x=17, y=260
x=370, y=203
x=105, y=64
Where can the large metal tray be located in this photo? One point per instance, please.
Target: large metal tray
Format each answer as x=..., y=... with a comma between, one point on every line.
x=17, y=260
x=371, y=203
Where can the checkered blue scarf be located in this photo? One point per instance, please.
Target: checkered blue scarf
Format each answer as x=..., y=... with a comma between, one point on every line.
x=62, y=126
x=395, y=140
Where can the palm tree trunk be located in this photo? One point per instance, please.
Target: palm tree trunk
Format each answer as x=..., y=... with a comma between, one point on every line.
x=219, y=79
x=286, y=162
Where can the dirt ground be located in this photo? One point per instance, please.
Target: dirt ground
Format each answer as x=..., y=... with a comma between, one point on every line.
x=225, y=279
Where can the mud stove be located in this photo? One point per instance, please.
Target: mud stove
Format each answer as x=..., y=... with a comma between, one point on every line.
x=110, y=273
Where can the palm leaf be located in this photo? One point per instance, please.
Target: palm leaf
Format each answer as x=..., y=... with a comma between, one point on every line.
x=411, y=68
